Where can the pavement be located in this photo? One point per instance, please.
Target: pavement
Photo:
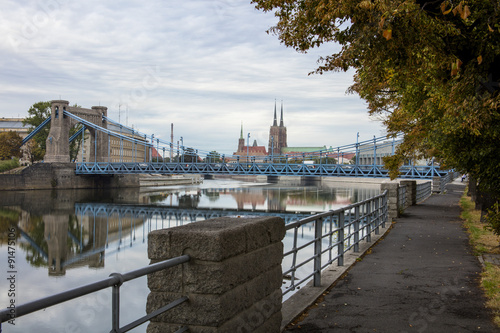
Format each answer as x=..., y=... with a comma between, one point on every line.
x=420, y=277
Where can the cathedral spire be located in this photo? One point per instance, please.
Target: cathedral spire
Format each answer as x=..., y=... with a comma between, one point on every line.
x=275, y=123
x=241, y=135
x=281, y=120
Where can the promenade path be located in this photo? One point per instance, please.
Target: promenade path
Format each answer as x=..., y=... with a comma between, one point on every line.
x=421, y=277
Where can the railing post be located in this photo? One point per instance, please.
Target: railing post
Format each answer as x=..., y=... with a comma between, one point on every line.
x=318, y=229
x=356, y=228
x=340, y=247
x=368, y=215
x=115, y=300
x=376, y=214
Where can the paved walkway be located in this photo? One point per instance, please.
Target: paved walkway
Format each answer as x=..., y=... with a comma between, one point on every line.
x=421, y=277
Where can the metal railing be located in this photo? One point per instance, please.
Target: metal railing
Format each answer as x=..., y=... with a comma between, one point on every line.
x=115, y=280
x=335, y=233
x=402, y=197
x=424, y=190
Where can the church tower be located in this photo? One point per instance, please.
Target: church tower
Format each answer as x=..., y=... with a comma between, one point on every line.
x=241, y=141
x=277, y=134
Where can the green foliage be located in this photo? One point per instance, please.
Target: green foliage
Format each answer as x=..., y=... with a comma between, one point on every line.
x=213, y=157
x=9, y=164
x=10, y=145
x=37, y=113
x=493, y=219
x=429, y=69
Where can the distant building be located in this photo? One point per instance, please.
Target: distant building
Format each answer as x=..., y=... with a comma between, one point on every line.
x=277, y=135
x=253, y=150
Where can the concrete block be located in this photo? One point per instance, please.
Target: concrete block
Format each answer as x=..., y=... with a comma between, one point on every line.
x=229, y=236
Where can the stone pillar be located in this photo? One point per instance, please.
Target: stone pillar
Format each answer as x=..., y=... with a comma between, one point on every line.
x=436, y=184
x=102, y=138
x=58, y=139
x=411, y=192
x=233, y=279
x=393, y=198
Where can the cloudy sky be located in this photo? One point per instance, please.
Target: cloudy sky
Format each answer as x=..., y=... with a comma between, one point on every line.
x=205, y=66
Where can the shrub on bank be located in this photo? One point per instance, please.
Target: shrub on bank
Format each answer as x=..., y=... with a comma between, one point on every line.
x=7, y=165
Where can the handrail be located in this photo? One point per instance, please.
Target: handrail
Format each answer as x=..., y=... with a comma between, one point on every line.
x=343, y=228
x=115, y=280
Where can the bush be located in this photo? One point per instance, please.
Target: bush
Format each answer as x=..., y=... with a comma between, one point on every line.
x=493, y=219
x=9, y=164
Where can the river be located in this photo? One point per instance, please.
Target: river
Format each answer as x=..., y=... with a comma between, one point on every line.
x=64, y=239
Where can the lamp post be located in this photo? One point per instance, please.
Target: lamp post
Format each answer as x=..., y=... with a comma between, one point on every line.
x=182, y=147
x=272, y=148
x=248, y=143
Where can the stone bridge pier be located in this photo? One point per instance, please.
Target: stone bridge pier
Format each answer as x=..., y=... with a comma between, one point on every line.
x=58, y=138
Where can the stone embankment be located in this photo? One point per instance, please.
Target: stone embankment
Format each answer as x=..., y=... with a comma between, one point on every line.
x=46, y=176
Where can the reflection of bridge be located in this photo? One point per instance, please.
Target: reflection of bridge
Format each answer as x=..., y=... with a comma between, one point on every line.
x=177, y=215
x=118, y=149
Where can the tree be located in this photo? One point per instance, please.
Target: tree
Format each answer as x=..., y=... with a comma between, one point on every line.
x=10, y=145
x=213, y=157
x=190, y=156
x=430, y=69
x=37, y=114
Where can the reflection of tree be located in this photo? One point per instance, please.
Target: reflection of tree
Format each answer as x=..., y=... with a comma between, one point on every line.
x=8, y=218
x=76, y=231
x=36, y=231
x=212, y=195
x=189, y=201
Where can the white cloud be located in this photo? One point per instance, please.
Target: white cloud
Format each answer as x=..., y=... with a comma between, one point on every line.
x=205, y=66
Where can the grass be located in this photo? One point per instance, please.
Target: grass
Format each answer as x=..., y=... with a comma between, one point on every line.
x=484, y=241
x=8, y=165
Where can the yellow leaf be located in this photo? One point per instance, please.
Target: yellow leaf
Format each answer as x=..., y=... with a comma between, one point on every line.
x=479, y=60
x=381, y=23
x=443, y=8
x=465, y=13
x=490, y=29
x=387, y=34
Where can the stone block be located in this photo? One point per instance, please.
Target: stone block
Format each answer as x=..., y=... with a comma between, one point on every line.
x=214, y=309
x=229, y=236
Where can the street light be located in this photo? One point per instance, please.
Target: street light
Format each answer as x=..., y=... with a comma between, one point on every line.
x=182, y=147
x=248, y=144
x=272, y=148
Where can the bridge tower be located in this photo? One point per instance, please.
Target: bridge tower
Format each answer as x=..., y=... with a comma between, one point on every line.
x=58, y=138
x=57, y=141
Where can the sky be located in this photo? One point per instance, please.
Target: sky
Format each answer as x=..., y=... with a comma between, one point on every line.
x=208, y=67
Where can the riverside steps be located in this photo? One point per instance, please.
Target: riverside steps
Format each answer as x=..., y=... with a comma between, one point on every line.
x=421, y=277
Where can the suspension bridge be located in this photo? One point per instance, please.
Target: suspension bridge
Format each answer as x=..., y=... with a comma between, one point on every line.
x=113, y=148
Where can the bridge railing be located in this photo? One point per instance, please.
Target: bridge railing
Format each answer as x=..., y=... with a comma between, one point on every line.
x=115, y=280
x=334, y=233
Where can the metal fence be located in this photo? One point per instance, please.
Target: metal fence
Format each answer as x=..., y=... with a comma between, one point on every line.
x=333, y=234
x=424, y=190
x=402, y=197
x=115, y=280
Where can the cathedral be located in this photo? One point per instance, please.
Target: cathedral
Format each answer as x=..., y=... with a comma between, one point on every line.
x=277, y=140
x=277, y=135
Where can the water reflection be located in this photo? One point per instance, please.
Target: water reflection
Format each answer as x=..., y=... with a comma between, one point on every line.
x=96, y=232
x=62, y=230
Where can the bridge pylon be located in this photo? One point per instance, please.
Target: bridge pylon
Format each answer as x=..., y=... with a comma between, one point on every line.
x=58, y=139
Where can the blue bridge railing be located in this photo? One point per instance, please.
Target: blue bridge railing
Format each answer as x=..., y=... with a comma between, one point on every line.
x=257, y=168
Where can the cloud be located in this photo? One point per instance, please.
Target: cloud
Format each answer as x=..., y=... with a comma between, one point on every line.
x=206, y=66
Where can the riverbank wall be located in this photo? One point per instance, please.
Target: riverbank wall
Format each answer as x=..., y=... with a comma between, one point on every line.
x=46, y=176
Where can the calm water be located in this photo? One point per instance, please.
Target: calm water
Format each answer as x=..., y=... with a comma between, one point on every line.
x=64, y=239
